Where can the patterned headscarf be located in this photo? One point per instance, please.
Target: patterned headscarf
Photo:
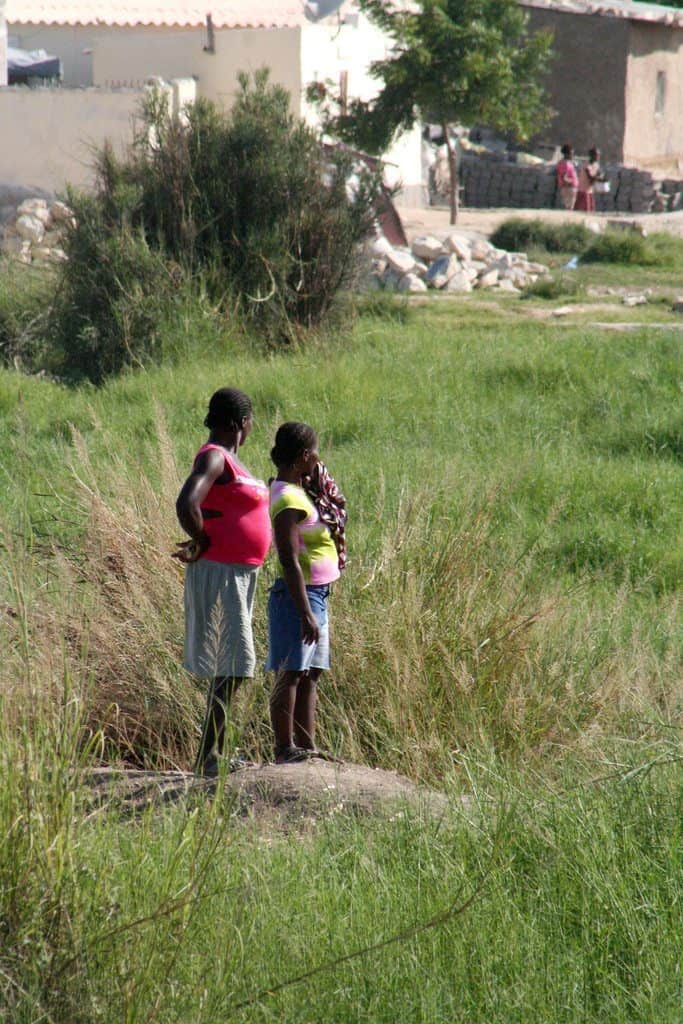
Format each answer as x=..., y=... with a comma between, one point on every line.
x=331, y=504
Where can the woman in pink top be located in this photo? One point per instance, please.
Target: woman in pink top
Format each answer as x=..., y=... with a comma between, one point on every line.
x=567, y=178
x=224, y=510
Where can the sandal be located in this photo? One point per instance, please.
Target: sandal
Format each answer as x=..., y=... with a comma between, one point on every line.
x=291, y=755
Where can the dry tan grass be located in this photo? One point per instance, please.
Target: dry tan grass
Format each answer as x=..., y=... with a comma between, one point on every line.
x=441, y=646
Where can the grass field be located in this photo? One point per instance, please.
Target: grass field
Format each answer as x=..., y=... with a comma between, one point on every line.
x=508, y=628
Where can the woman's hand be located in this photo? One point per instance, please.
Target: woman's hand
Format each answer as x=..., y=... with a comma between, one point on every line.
x=191, y=550
x=310, y=631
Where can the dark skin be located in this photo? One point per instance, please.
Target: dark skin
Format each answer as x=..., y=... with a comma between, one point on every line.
x=209, y=469
x=294, y=697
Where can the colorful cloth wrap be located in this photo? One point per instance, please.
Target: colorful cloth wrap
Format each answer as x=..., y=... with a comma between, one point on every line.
x=323, y=491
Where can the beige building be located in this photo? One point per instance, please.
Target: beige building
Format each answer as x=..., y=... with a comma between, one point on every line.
x=3, y=45
x=616, y=79
x=108, y=46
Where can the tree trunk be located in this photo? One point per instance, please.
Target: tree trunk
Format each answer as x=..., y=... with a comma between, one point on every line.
x=452, y=174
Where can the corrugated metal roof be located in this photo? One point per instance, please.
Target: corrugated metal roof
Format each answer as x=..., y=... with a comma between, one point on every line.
x=626, y=9
x=224, y=13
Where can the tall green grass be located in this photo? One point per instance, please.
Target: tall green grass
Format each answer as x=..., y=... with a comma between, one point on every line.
x=558, y=903
x=515, y=546
x=508, y=628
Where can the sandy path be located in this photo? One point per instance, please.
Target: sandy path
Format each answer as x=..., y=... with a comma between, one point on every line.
x=485, y=221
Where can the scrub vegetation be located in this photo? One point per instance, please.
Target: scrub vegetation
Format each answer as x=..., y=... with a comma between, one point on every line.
x=508, y=628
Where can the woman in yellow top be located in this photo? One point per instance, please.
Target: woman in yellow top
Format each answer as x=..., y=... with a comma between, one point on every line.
x=298, y=625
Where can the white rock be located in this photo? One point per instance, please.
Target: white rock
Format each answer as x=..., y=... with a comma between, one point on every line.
x=41, y=252
x=506, y=285
x=481, y=250
x=538, y=268
x=460, y=245
x=562, y=311
x=594, y=226
x=400, y=261
x=478, y=265
x=411, y=283
x=442, y=270
x=470, y=272
x=25, y=254
x=379, y=246
x=426, y=247
x=34, y=208
x=63, y=213
x=488, y=278
x=504, y=261
x=634, y=300
x=421, y=268
x=460, y=282
x=30, y=228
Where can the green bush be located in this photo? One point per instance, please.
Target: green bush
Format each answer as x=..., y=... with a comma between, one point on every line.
x=247, y=207
x=517, y=234
x=24, y=298
x=554, y=287
x=113, y=296
x=622, y=247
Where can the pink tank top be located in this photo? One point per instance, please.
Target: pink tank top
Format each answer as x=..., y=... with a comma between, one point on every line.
x=236, y=515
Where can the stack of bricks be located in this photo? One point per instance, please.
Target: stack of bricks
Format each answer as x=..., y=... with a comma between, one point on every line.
x=488, y=182
x=671, y=194
x=491, y=181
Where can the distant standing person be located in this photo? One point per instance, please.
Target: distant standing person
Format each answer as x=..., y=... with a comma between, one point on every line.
x=588, y=175
x=309, y=518
x=567, y=178
x=224, y=509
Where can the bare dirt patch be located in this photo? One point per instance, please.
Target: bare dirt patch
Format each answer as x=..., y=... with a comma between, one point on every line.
x=281, y=793
x=434, y=220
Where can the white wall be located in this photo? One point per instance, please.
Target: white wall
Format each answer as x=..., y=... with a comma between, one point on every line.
x=114, y=55
x=133, y=54
x=47, y=134
x=329, y=49
x=3, y=45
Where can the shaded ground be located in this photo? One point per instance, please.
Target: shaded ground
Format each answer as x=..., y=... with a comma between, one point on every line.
x=286, y=793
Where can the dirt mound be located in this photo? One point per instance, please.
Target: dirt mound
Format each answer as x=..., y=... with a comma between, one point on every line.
x=306, y=791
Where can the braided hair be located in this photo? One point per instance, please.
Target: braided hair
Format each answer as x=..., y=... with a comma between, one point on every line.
x=291, y=440
x=228, y=407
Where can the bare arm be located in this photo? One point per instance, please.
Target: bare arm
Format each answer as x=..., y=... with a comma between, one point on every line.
x=206, y=470
x=287, y=544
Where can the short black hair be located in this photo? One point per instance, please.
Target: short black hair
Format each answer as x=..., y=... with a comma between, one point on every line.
x=567, y=149
x=227, y=408
x=290, y=441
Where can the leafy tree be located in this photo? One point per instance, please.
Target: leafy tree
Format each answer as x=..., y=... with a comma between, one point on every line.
x=467, y=61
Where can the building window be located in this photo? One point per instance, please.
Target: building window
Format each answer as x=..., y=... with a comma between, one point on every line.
x=660, y=92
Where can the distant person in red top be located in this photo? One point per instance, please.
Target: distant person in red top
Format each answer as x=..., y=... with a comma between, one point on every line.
x=224, y=510
x=567, y=178
x=588, y=175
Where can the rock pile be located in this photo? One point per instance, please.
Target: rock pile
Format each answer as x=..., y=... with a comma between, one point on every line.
x=33, y=234
x=455, y=264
